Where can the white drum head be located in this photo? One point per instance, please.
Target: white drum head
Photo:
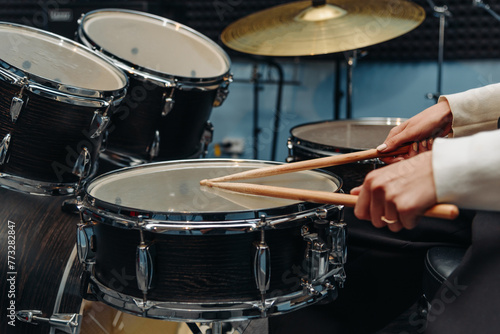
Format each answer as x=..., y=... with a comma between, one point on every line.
x=175, y=187
x=155, y=43
x=361, y=134
x=57, y=59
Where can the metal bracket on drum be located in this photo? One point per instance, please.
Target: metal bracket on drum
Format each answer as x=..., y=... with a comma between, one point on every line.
x=68, y=323
x=18, y=101
x=85, y=243
x=4, y=148
x=168, y=103
x=144, y=264
x=223, y=91
x=99, y=124
x=262, y=264
x=325, y=255
x=206, y=138
x=154, y=149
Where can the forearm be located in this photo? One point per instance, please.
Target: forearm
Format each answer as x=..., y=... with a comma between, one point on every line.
x=474, y=110
x=467, y=170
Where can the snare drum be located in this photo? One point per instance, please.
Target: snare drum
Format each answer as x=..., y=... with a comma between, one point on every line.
x=157, y=244
x=55, y=97
x=327, y=138
x=176, y=76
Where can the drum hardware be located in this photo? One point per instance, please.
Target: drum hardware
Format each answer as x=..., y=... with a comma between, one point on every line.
x=441, y=12
x=154, y=149
x=67, y=323
x=262, y=264
x=144, y=263
x=18, y=101
x=168, y=103
x=206, y=138
x=223, y=90
x=4, y=148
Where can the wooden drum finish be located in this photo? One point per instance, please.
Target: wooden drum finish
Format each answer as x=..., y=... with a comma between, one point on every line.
x=38, y=260
x=203, y=249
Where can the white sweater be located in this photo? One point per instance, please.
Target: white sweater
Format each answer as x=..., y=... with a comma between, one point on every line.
x=467, y=167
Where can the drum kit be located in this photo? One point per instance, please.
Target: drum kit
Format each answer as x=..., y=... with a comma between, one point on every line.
x=149, y=240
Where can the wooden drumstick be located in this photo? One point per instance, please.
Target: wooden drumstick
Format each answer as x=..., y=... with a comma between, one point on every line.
x=309, y=164
x=444, y=211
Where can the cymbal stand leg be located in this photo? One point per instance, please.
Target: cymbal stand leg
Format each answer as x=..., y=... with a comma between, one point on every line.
x=441, y=12
x=277, y=112
x=351, y=62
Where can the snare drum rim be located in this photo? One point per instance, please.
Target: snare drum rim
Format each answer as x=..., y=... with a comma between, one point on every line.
x=60, y=91
x=327, y=150
x=199, y=222
x=147, y=74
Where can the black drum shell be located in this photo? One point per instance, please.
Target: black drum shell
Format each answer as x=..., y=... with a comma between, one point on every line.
x=136, y=121
x=200, y=268
x=44, y=241
x=47, y=138
x=327, y=138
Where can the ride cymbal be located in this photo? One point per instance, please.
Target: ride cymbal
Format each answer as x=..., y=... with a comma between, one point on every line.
x=301, y=29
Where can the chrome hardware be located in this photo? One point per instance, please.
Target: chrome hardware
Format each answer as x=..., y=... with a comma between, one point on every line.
x=317, y=257
x=144, y=263
x=82, y=164
x=262, y=266
x=338, y=254
x=154, y=149
x=262, y=260
x=4, y=147
x=85, y=243
x=68, y=323
x=223, y=91
x=145, y=266
x=98, y=125
x=17, y=102
x=168, y=103
x=206, y=137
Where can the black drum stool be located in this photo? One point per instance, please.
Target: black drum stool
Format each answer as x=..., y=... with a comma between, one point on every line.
x=440, y=262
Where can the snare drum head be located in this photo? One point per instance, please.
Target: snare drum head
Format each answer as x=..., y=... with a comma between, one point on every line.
x=154, y=43
x=173, y=187
x=56, y=59
x=357, y=134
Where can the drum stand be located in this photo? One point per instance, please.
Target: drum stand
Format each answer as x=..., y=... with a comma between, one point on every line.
x=441, y=12
x=481, y=4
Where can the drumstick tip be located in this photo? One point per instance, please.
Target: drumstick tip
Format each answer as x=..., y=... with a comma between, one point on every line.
x=203, y=182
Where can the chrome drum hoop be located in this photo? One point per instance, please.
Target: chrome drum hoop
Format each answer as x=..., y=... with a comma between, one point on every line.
x=224, y=311
x=60, y=91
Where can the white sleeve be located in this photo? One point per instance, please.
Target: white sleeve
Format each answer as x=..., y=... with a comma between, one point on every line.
x=474, y=110
x=467, y=170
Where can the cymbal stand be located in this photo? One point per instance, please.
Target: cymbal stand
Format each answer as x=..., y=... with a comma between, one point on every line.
x=441, y=12
x=351, y=57
x=256, y=89
x=481, y=4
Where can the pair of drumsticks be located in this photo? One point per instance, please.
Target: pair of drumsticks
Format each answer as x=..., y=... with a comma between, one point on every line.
x=444, y=211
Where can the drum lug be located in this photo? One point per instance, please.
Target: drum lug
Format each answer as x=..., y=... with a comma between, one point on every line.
x=207, y=137
x=223, y=91
x=262, y=263
x=85, y=243
x=17, y=102
x=4, y=147
x=82, y=164
x=98, y=124
x=168, y=103
x=144, y=268
x=65, y=322
x=154, y=149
